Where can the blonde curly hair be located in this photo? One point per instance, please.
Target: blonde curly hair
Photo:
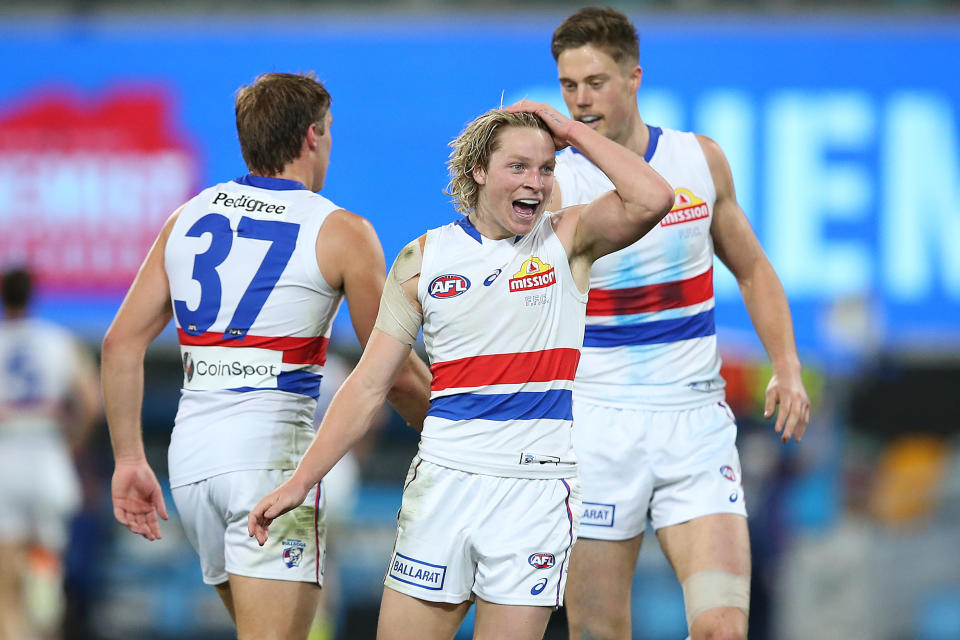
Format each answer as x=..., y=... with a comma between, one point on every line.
x=473, y=148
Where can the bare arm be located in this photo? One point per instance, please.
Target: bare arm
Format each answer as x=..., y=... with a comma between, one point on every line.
x=350, y=414
x=85, y=397
x=615, y=219
x=146, y=310
x=349, y=252
x=737, y=246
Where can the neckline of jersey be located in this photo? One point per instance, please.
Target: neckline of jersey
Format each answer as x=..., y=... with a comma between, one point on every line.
x=655, y=133
x=273, y=184
x=468, y=228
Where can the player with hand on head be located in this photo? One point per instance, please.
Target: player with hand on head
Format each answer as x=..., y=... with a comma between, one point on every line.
x=491, y=503
x=652, y=432
x=253, y=271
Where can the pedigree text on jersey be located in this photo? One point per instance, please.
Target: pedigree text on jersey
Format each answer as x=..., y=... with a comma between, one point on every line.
x=250, y=205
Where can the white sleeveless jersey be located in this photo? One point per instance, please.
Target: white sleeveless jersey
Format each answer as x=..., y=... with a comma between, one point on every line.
x=38, y=363
x=650, y=339
x=253, y=316
x=502, y=325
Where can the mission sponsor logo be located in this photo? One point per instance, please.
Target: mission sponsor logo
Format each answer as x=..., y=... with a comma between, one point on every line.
x=533, y=274
x=449, y=285
x=416, y=572
x=686, y=208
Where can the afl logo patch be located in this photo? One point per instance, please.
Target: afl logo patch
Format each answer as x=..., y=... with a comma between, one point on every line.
x=728, y=473
x=541, y=560
x=449, y=285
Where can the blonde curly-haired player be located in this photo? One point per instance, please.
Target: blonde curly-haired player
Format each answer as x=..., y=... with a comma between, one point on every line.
x=491, y=504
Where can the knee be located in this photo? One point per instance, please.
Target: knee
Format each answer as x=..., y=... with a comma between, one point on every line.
x=597, y=628
x=720, y=627
x=720, y=634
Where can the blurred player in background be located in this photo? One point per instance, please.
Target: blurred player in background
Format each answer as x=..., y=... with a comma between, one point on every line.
x=253, y=272
x=49, y=404
x=651, y=429
x=491, y=503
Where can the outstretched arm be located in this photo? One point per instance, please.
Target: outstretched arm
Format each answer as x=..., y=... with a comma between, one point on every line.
x=617, y=218
x=737, y=246
x=349, y=255
x=347, y=419
x=146, y=310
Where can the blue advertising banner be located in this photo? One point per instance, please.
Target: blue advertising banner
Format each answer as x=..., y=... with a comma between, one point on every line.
x=843, y=137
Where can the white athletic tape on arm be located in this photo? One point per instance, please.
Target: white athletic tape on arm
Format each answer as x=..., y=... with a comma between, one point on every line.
x=397, y=316
x=713, y=590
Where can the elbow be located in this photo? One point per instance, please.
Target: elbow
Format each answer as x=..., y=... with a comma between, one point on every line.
x=404, y=387
x=109, y=345
x=116, y=345
x=664, y=200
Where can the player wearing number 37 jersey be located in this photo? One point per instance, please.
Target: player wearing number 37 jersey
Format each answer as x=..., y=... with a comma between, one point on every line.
x=253, y=272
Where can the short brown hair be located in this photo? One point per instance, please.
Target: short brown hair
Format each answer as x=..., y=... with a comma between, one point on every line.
x=473, y=148
x=273, y=115
x=607, y=29
x=16, y=288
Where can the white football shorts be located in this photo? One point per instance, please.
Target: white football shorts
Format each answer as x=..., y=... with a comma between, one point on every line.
x=214, y=514
x=506, y=540
x=40, y=491
x=673, y=465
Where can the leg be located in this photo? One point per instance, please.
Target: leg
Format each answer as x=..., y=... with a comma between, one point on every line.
x=13, y=614
x=718, y=542
x=598, y=588
x=510, y=622
x=404, y=617
x=272, y=609
x=223, y=590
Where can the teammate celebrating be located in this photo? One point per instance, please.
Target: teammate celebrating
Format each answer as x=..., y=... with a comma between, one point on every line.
x=253, y=271
x=491, y=504
x=651, y=429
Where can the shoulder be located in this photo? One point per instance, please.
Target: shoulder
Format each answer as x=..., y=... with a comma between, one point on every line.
x=342, y=225
x=712, y=152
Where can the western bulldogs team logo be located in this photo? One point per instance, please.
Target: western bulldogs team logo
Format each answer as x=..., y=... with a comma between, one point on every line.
x=188, y=367
x=541, y=560
x=293, y=553
x=727, y=472
x=449, y=285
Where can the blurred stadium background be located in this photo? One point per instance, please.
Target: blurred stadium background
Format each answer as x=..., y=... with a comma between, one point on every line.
x=842, y=126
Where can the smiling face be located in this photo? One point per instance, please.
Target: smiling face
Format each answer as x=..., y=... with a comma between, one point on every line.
x=599, y=92
x=516, y=184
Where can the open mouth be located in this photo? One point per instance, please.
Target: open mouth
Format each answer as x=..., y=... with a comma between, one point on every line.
x=589, y=120
x=525, y=207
